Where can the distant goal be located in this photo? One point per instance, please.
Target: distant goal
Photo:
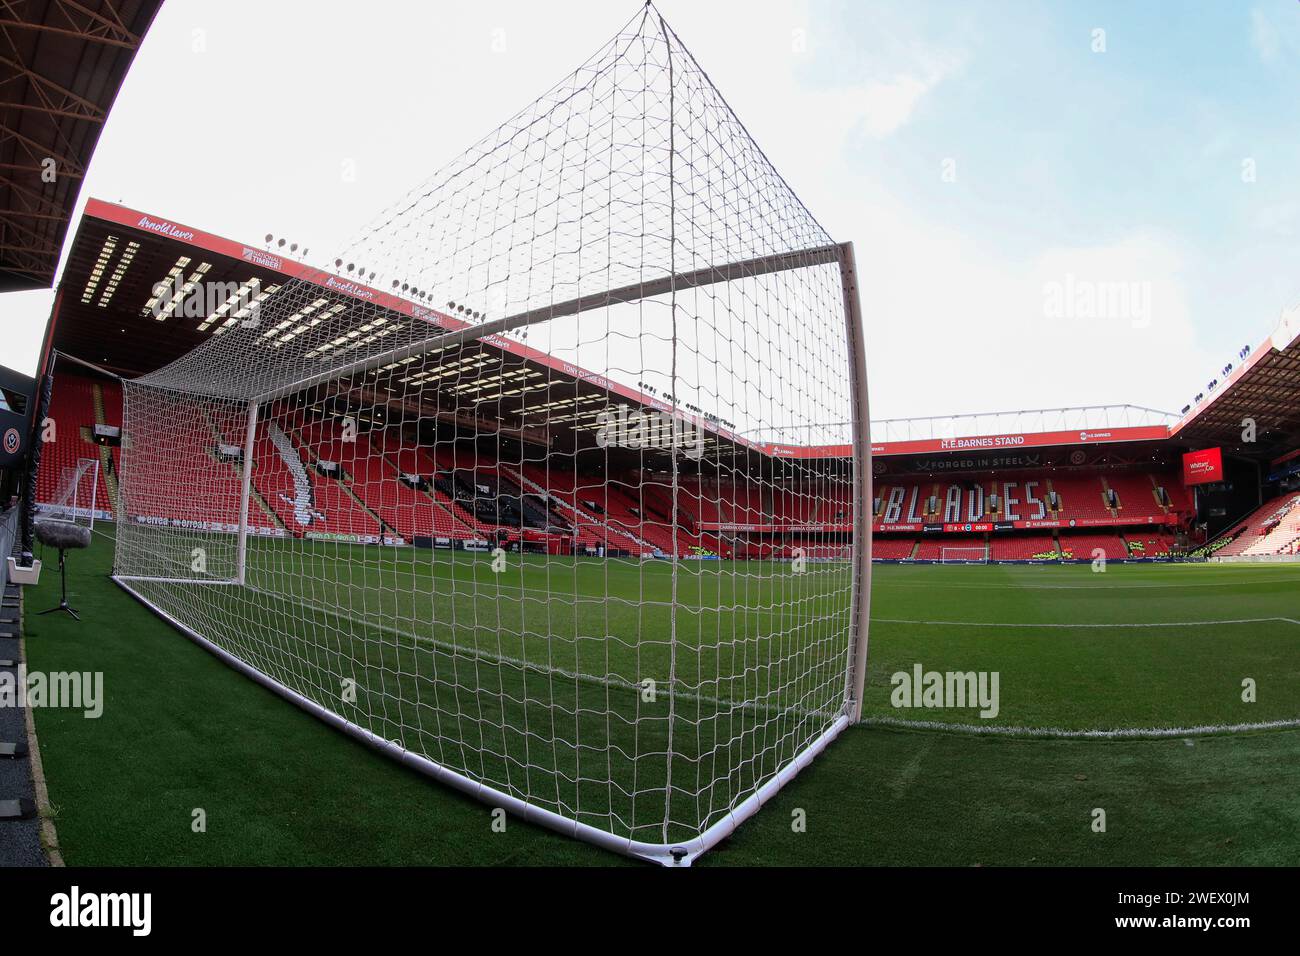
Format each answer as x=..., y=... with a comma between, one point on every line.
x=76, y=498
x=964, y=555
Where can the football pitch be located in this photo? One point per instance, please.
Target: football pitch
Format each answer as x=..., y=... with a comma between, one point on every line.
x=1167, y=694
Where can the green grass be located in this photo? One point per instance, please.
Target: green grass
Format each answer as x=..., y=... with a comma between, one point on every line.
x=181, y=731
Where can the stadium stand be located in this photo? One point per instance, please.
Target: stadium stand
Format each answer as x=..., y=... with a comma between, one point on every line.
x=1150, y=545
x=1027, y=496
x=587, y=507
x=931, y=549
x=892, y=549
x=1273, y=528
x=443, y=517
x=461, y=492
x=73, y=412
x=1136, y=495
x=181, y=435
x=1021, y=547
x=1081, y=546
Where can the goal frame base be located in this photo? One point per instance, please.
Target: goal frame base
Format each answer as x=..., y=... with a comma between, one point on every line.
x=665, y=854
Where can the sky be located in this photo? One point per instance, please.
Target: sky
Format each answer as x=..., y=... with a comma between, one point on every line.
x=1052, y=204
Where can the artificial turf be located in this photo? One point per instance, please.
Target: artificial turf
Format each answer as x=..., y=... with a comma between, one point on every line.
x=181, y=731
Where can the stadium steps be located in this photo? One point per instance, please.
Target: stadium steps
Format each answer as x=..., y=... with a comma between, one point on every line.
x=1105, y=498
x=425, y=463
x=106, y=469
x=383, y=525
x=284, y=444
x=218, y=439
x=1155, y=494
x=344, y=482
x=266, y=508
x=446, y=483
x=253, y=492
x=457, y=522
x=110, y=480
x=916, y=546
x=97, y=399
x=581, y=516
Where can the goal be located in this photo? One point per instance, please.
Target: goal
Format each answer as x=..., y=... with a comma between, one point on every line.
x=76, y=497
x=964, y=555
x=415, y=492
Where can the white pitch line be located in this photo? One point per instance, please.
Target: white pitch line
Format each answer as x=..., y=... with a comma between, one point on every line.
x=1021, y=624
x=1136, y=733
x=945, y=586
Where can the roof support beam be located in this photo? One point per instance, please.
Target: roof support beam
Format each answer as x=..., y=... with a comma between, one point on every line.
x=37, y=199
x=41, y=152
x=79, y=22
x=57, y=100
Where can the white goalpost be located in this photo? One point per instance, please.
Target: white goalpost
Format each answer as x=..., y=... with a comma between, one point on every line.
x=397, y=492
x=76, y=499
x=964, y=555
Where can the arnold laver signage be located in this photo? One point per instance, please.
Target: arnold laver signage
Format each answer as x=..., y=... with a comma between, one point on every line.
x=162, y=227
x=348, y=287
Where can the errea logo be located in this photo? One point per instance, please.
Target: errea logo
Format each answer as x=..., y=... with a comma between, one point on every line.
x=76, y=909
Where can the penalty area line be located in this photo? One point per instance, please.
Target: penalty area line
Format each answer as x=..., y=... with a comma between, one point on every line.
x=1059, y=733
x=1022, y=624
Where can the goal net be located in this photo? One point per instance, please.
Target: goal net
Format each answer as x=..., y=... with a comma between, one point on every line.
x=418, y=492
x=963, y=555
x=76, y=496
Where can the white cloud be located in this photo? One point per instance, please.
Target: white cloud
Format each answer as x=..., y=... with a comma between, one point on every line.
x=886, y=105
x=1264, y=35
x=900, y=76
x=953, y=326
x=1281, y=219
x=1276, y=40
x=24, y=323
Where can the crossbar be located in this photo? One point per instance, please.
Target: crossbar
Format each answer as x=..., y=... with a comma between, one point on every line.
x=745, y=269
